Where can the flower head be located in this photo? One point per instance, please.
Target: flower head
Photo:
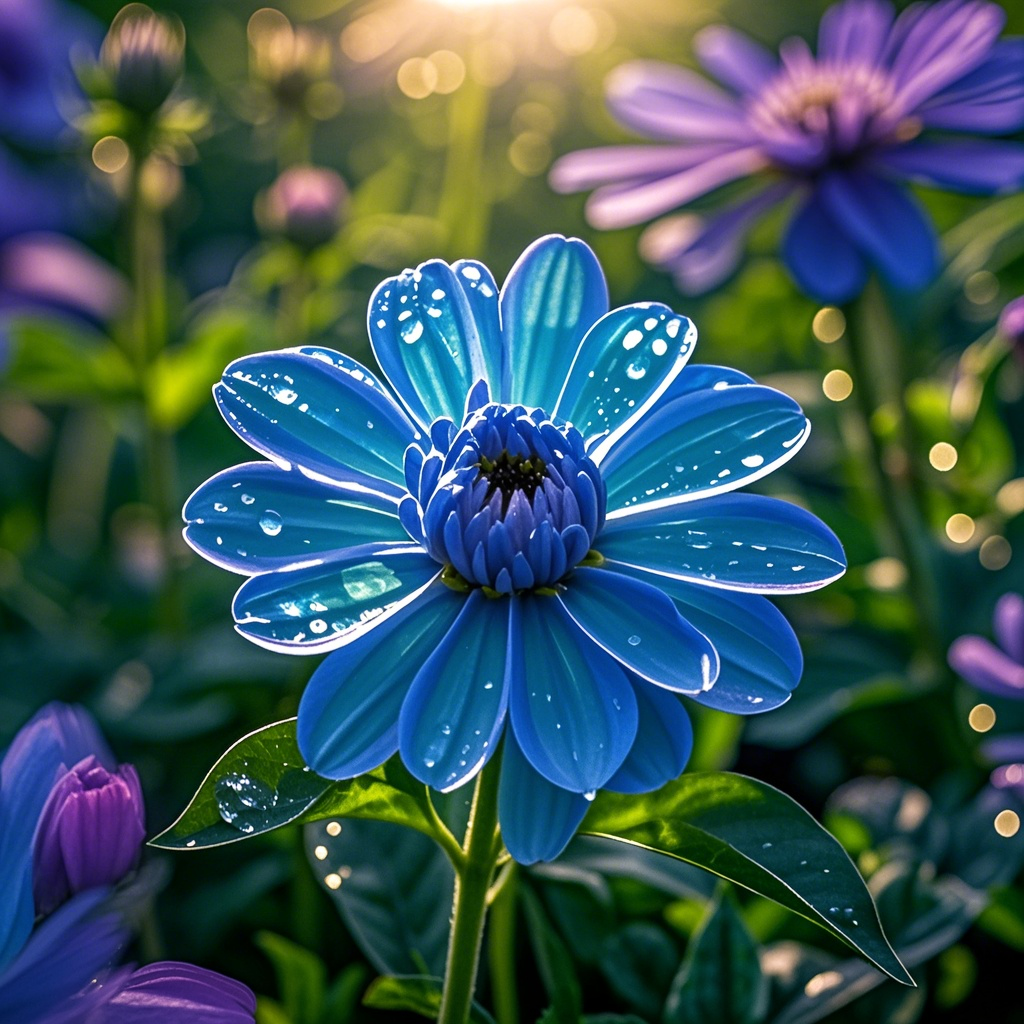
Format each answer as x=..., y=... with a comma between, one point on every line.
x=143, y=55
x=304, y=205
x=840, y=130
x=536, y=544
x=1011, y=325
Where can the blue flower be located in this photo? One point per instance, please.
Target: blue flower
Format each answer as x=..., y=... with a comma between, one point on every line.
x=70, y=828
x=541, y=531
x=840, y=131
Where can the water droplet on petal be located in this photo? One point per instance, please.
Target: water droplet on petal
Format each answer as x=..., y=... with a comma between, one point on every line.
x=634, y=640
x=247, y=499
x=270, y=523
x=590, y=794
x=637, y=368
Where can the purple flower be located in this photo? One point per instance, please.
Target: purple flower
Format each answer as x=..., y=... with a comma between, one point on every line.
x=1000, y=672
x=73, y=832
x=90, y=833
x=305, y=205
x=840, y=131
x=1011, y=325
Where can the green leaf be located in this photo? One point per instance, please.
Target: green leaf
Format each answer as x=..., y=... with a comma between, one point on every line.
x=639, y=961
x=261, y=783
x=416, y=994
x=343, y=996
x=301, y=977
x=720, y=981
x=392, y=887
x=749, y=833
x=555, y=963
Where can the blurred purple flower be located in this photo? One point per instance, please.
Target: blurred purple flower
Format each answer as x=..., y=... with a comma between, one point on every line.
x=1000, y=672
x=305, y=205
x=73, y=832
x=1011, y=325
x=840, y=131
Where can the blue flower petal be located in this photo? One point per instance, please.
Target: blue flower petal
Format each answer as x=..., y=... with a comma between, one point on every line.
x=348, y=716
x=65, y=953
x=886, y=224
x=625, y=362
x=435, y=333
x=706, y=442
x=572, y=707
x=761, y=661
x=664, y=742
x=736, y=541
x=973, y=166
x=453, y=716
x=823, y=261
x=537, y=817
x=321, y=411
x=319, y=607
x=640, y=627
x=258, y=517
x=551, y=298
x=57, y=737
x=701, y=376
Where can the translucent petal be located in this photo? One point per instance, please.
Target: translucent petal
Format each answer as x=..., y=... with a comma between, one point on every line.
x=452, y=719
x=572, y=707
x=761, y=661
x=321, y=411
x=348, y=717
x=320, y=607
x=640, y=627
x=258, y=517
x=627, y=359
x=552, y=297
x=537, y=817
x=699, y=377
x=435, y=333
x=664, y=742
x=707, y=442
x=736, y=541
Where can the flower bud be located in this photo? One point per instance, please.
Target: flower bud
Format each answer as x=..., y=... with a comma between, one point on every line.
x=143, y=55
x=1011, y=325
x=305, y=205
x=90, y=832
x=289, y=61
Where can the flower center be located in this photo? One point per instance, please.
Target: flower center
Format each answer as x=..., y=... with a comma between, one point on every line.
x=509, y=501
x=814, y=114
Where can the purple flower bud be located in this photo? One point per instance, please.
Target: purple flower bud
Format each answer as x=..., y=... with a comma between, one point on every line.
x=1011, y=325
x=90, y=832
x=306, y=205
x=143, y=55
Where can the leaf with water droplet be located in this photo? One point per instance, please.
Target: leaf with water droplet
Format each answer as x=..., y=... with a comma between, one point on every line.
x=262, y=783
x=720, y=821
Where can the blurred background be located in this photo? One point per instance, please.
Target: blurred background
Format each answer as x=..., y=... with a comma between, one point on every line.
x=127, y=283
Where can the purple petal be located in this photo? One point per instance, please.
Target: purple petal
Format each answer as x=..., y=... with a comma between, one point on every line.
x=935, y=45
x=1004, y=748
x=616, y=206
x=886, y=224
x=668, y=102
x=822, y=260
x=174, y=993
x=734, y=58
x=1010, y=776
x=986, y=667
x=988, y=100
x=855, y=32
x=976, y=167
x=702, y=252
x=578, y=172
x=1008, y=623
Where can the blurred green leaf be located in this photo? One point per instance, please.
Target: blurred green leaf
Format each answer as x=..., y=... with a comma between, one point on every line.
x=720, y=981
x=639, y=961
x=262, y=783
x=555, y=964
x=301, y=977
x=416, y=994
x=390, y=885
x=750, y=833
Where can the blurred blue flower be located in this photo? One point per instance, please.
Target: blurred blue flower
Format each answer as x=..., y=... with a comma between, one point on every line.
x=444, y=548
x=71, y=826
x=998, y=670
x=840, y=131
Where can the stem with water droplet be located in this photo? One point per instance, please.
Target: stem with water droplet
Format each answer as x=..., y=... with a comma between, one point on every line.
x=472, y=883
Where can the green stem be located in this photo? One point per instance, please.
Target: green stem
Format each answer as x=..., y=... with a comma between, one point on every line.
x=465, y=204
x=906, y=526
x=501, y=947
x=472, y=882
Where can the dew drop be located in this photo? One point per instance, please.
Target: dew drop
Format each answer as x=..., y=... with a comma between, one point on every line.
x=637, y=368
x=219, y=507
x=285, y=395
x=412, y=332
x=633, y=641
x=318, y=626
x=590, y=794
x=247, y=499
x=270, y=523
x=244, y=803
x=753, y=461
